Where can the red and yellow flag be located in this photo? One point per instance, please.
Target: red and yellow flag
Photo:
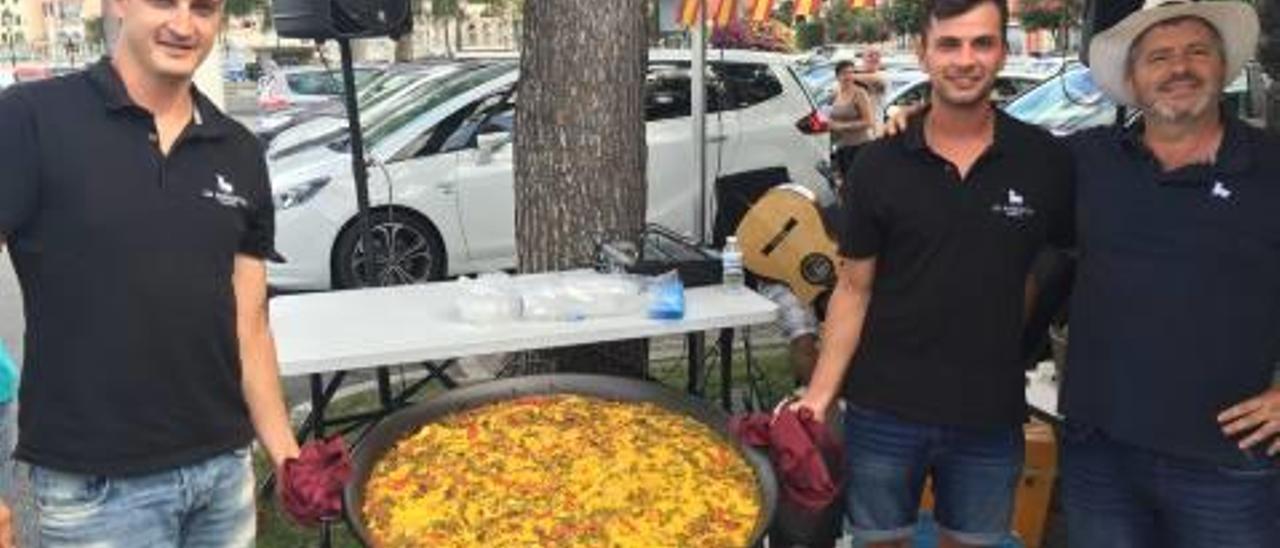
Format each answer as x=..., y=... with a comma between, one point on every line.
x=720, y=12
x=689, y=12
x=855, y=4
x=808, y=8
x=761, y=10
x=723, y=12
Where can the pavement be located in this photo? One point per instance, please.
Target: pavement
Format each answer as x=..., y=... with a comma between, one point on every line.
x=11, y=324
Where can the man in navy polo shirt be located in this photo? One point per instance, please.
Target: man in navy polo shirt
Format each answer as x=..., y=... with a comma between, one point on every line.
x=1172, y=417
x=940, y=226
x=139, y=217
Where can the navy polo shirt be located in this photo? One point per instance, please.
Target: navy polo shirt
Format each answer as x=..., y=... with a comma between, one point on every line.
x=1176, y=311
x=941, y=341
x=125, y=257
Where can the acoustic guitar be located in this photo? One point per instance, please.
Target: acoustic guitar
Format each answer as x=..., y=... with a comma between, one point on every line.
x=784, y=238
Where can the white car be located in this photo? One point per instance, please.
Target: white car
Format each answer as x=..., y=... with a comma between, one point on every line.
x=406, y=86
x=441, y=170
x=1008, y=86
x=300, y=86
x=1071, y=102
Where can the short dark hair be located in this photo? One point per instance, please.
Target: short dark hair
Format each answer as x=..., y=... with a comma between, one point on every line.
x=942, y=10
x=845, y=64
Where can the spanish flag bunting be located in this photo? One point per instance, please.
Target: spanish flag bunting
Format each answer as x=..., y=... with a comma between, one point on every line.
x=808, y=8
x=720, y=12
x=855, y=4
x=689, y=12
x=724, y=12
x=761, y=10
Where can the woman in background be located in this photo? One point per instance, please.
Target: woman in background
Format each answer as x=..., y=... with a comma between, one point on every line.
x=851, y=118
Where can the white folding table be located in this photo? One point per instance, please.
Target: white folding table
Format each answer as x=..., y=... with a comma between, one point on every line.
x=341, y=331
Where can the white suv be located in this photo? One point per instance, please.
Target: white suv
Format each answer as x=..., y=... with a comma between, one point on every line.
x=441, y=169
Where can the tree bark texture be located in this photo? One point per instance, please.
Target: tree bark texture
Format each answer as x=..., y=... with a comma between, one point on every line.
x=580, y=137
x=580, y=146
x=1269, y=56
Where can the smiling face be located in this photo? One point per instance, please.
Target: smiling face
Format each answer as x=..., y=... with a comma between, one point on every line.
x=167, y=39
x=963, y=54
x=1176, y=69
x=871, y=60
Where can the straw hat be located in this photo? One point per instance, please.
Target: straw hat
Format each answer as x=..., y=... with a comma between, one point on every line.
x=1236, y=22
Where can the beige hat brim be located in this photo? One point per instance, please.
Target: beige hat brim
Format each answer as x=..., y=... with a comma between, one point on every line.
x=1236, y=22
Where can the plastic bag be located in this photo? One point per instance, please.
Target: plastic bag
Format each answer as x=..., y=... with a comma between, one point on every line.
x=666, y=297
x=559, y=296
x=489, y=298
x=580, y=294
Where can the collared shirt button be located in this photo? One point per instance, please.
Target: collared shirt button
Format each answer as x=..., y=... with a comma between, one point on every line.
x=153, y=137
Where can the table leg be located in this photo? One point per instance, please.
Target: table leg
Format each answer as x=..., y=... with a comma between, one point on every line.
x=697, y=344
x=318, y=403
x=726, y=369
x=326, y=534
x=439, y=371
x=384, y=388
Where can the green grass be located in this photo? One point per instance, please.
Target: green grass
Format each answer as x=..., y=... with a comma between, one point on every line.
x=277, y=531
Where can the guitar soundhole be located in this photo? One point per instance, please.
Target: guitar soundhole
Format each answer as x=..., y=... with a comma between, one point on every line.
x=818, y=269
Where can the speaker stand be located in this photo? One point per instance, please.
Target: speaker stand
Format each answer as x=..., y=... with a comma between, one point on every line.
x=359, y=167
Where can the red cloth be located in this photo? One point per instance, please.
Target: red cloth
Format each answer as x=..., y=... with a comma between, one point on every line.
x=797, y=444
x=311, y=485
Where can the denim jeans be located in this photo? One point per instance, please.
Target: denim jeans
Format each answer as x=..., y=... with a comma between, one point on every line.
x=8, y=436
x=1121, y=496
x=975, y=473
x=204, y=505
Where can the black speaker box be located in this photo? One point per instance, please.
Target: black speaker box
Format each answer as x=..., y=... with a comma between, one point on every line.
x=330, y=19
x=1101, y=15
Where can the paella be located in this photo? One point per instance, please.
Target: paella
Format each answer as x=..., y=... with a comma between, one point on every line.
x=562, y=470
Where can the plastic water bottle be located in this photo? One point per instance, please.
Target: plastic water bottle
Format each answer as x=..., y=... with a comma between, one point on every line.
x=733, y=277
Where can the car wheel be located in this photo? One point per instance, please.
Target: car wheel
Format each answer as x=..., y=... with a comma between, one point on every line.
x=406, y=250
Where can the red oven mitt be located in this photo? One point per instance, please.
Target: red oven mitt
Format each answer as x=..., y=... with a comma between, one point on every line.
x=311, y=485
x=797, y=444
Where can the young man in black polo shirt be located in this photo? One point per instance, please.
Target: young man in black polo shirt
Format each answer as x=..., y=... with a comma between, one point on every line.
x=941, y=225
x=139, y=216
x=1172, y=416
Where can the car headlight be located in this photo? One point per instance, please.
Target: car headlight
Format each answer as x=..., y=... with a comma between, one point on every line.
x=299, y=194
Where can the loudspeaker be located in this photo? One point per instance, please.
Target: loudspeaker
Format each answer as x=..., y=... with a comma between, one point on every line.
x=330, y=19
x=1101, y=15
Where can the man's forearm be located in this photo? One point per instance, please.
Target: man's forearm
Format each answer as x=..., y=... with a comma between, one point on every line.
x=259, y=370
x=264, y=396
x=846, y=314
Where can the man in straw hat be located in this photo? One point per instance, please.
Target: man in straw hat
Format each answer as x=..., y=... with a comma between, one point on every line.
x=1172, y=417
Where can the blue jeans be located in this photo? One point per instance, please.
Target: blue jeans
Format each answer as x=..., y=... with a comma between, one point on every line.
x=206, y=504
x=975, y=474
x=1121, y=496
x=8, y=436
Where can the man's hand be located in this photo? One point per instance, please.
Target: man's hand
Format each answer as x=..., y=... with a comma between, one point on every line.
x=819, y=406
x=897, y=122
x=1260, y=416
x=6, y=527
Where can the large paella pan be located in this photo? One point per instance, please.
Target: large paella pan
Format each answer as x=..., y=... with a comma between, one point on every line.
x=559, y=460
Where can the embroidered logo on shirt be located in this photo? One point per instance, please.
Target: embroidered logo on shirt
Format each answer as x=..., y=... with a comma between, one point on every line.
x=1220, y=191
x=225, y=193
x=1014, y=207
